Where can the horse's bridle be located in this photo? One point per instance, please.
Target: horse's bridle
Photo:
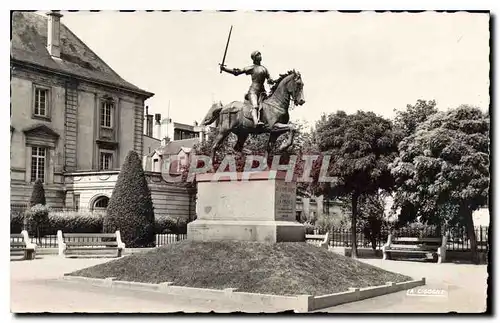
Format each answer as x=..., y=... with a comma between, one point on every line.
x=294, y=92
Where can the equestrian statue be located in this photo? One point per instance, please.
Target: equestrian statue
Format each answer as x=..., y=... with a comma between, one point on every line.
x=258, y=113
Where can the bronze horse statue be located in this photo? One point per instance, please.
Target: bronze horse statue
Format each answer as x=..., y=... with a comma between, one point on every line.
x=236, y=118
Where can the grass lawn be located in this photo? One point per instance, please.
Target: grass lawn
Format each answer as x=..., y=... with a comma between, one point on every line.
x=280, y=269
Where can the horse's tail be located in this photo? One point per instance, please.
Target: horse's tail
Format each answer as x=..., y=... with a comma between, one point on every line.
x=212, y=114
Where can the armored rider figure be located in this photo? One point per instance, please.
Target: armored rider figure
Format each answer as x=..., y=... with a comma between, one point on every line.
x=259, y=74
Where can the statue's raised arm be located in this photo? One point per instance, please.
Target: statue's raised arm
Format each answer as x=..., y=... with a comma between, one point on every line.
x=236, y=71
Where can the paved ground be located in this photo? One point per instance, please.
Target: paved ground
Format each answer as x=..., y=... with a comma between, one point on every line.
x=35, y=287
x=465, y=285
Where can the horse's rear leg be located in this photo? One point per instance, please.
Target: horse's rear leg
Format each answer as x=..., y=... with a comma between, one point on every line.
x=238, y=147
x=218, y=143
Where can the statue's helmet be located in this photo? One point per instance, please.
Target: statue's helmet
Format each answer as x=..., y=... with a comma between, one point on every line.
x=254, y=54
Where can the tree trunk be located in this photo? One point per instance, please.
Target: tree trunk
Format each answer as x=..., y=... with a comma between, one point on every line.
x=38, y=236
x=471, y=234
x=354, y=237
x=373, y=239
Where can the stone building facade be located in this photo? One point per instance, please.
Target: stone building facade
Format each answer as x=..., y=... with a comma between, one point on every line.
x=73, y=120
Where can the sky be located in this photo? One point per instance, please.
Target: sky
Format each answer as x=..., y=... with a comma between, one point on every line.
x=348, y=61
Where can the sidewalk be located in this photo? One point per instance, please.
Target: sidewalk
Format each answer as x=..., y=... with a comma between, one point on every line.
x=466, y=287
x=35, y=287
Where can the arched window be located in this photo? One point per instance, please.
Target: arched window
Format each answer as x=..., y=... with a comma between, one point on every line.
x=101, y=203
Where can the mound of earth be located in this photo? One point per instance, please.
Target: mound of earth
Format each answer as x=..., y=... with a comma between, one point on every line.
x=280, y=268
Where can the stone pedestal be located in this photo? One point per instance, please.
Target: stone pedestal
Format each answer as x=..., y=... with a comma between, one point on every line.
x=255, y=206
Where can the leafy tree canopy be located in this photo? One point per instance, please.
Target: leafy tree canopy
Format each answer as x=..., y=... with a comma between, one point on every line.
x=408, y=120
x=361, y=147
x=444, y=165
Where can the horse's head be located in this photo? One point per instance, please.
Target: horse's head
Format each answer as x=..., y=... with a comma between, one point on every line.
x=294, y=86
x=296, y=89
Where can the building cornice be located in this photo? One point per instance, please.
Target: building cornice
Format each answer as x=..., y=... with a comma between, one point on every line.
x=92, y=172
x=139, y=92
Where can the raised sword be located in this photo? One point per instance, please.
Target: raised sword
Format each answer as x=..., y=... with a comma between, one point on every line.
x=225, y=51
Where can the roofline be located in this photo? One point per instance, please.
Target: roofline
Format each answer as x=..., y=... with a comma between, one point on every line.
x=152, y=137
x=90, y=49
x=143, y=93
x=195, y=138
x=183, y=124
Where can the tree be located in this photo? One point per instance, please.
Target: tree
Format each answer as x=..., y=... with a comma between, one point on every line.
x=361, y=146
x=442, y=171
x=38, y=194
x=371, y=211
x=37, y=198
x=409, y=119
x=37, y=221
x=130, y=207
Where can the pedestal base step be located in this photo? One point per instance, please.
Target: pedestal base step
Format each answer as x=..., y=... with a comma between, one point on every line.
x=262, y=231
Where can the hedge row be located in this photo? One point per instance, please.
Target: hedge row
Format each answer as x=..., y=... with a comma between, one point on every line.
x=88, y=222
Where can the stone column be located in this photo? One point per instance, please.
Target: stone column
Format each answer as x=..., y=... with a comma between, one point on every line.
x=319, y=203
x=306, y=209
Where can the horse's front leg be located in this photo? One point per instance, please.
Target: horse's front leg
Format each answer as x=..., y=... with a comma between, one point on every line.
x=283, y=128
x=218, y=143
x=273, y=136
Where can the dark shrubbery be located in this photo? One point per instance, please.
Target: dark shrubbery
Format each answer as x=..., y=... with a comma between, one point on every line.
x=89, y=222
x=419, y=230
x=309, y=228
x=16, y=221
x=38, y=194
x=75, y=222
x=181, y=226
x=37, y=220
x=130, y=208
x=166, y=224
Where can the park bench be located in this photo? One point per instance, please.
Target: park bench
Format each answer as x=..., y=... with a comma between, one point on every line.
x=320, y=240
x=20, y=243
x=435, y=247
x=85, y=243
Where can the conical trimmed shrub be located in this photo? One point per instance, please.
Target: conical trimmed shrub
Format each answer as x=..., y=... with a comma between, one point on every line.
x=38, y=194
x=130, y=208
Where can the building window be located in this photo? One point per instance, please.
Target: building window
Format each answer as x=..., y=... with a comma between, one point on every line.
x=38, y=155
x=41, y=102
x=76, y=201
x=106, y=110
x=106, y=161
x=101, y=203
x=155, y=165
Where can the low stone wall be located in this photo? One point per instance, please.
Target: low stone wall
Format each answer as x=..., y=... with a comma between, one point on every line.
x=298, y=303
